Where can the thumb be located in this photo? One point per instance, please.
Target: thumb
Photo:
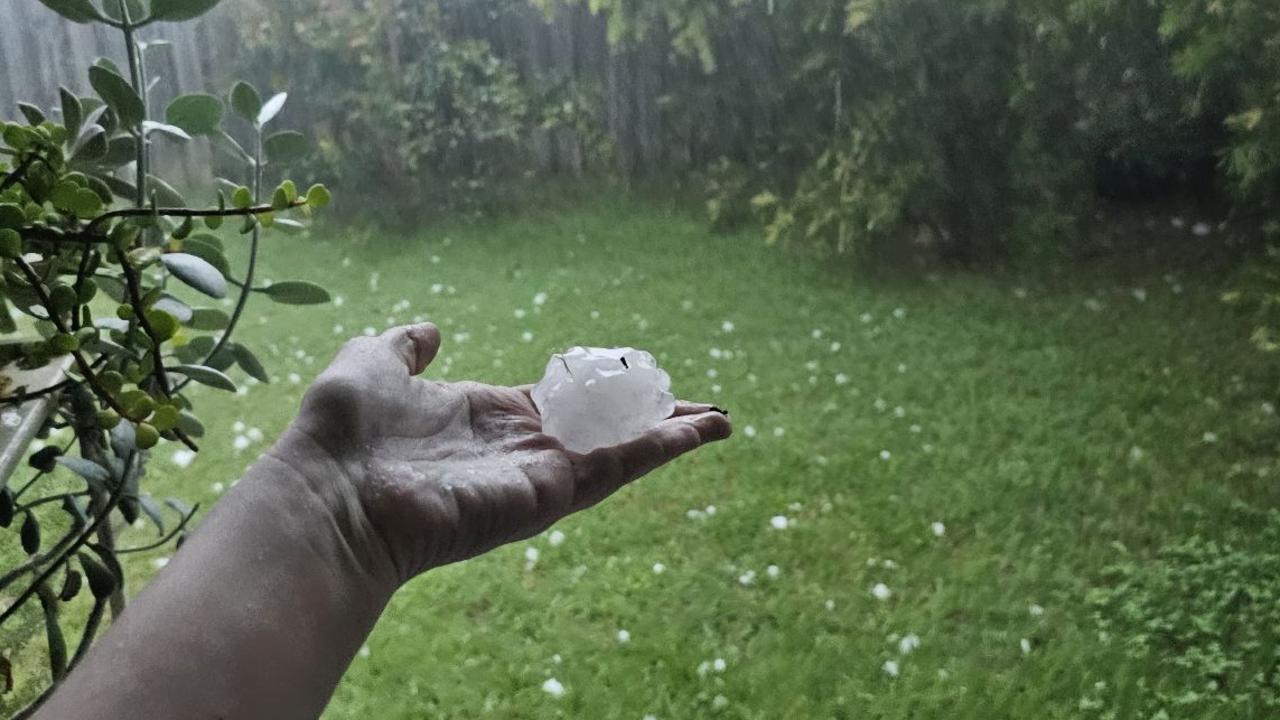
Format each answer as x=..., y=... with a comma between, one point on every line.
x=416, y=345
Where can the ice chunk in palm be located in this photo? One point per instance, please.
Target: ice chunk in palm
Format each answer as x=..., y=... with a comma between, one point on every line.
x=596, y=397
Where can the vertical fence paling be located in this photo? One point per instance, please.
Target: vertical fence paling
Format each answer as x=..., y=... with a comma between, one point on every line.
x=39, y=51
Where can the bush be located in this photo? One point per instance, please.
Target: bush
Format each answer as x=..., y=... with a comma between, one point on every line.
x=93, y=249
x=1231, y=51
x=983, y=128
x=988, y=128
x=403, y=103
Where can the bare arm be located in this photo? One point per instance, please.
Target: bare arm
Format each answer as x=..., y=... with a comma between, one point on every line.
x=381, y=477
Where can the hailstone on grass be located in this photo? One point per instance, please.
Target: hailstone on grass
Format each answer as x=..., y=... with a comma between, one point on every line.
x=598, y=397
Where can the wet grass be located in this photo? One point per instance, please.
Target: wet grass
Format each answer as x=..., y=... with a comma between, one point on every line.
x=1051, y=427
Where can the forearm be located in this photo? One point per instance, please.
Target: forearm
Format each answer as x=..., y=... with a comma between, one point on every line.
x=257, y=616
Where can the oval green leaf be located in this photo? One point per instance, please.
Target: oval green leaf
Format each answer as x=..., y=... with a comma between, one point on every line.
x=197, y=273
x=296, y=292
x=205, y=376
x=179, y=10
x=198, y=114
x=118, y=94
x=286, y=147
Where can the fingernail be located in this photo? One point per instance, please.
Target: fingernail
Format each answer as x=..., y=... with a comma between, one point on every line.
x=722, y=411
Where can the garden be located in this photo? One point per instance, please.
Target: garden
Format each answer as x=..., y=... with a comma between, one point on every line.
x=986, y=288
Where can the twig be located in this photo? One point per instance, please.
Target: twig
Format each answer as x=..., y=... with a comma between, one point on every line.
x=85, y=368
x=117, y=493
x=184, y=212
x=247, y=286
x=42, y=392
x=51, y=498
x=169, y=536
x=17, y=173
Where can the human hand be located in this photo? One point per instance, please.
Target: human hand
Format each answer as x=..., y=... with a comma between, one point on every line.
x=422, y=474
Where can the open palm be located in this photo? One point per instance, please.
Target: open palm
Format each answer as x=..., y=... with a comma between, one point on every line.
x=445, y=471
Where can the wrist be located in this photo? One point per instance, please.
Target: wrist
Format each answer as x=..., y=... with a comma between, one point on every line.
x=298, y=474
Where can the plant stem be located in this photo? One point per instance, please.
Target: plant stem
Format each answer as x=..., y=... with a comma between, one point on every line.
x=18, y=172
x=135, y=297
x=114, y=499
x=85, y=368
x=139, y=86
x=93, y=448
x=51, y=498
x=36, y=394
x=256, y=209
x=169, y=536
x=82, y=271
x=247, y=287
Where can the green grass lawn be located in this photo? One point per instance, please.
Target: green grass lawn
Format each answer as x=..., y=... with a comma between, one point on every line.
x=982, y=448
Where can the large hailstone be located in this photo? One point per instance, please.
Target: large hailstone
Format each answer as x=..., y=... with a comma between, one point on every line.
x=597, y=397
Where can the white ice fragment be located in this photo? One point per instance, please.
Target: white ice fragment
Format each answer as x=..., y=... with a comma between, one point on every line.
x=553, y=687
x=598, y=397
x=909, y=642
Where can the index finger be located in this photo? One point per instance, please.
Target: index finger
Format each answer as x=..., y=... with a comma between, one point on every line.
x=601, y=472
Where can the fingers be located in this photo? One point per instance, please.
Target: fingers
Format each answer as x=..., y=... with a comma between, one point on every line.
x=684, y=407
x=415, y=345
x=600, y=473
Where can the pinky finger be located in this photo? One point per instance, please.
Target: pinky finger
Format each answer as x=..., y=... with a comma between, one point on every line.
x=601, y=472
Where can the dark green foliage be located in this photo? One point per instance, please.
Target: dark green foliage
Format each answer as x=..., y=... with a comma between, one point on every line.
x=402, y=106
x=74, y=221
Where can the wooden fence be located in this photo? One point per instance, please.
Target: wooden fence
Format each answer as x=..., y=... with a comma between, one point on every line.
x=40, y=51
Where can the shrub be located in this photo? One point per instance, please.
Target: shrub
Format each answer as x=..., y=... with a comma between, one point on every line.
x=1231, y=51
x=403, y=103
x=92, y=248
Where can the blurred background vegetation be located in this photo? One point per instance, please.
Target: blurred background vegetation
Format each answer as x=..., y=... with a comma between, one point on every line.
x=983, y=129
